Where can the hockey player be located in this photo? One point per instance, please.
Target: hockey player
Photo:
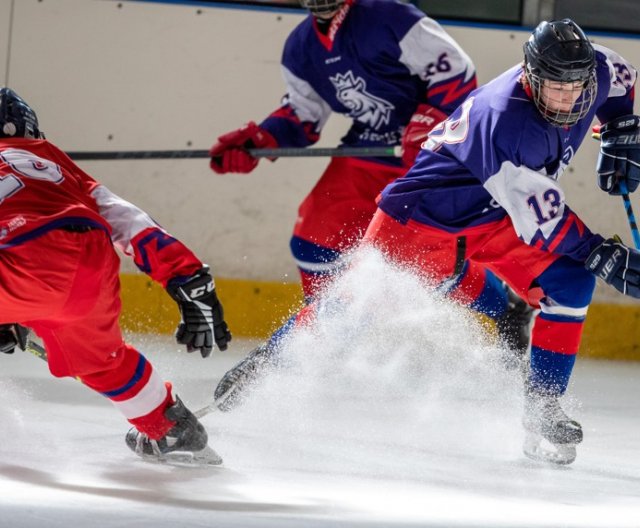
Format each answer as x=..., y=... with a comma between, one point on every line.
x=488, y=179
x=485, y=190
x=389, y=68
x=59, y=277
x=396, y=73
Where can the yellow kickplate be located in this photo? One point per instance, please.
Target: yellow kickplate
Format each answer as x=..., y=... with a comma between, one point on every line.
x=255, y=309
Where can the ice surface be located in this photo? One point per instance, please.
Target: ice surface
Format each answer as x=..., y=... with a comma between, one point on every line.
x=393, y=411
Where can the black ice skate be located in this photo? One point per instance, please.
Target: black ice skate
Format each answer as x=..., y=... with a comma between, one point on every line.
x=551, y=436
x=232, y=389
x=184, y=444
x=514, y=331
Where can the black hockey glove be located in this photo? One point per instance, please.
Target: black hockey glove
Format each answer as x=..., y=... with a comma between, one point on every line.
x=619, y=159
x=618, y=265
x=202, y=315
x=12, y=335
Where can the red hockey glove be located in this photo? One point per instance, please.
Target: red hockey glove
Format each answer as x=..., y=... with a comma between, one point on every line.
x=415, y=133
x=230, y=154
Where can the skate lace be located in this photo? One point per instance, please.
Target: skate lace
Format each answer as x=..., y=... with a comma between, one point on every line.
x=143, y=439
x=546, y=412
x=552, y=412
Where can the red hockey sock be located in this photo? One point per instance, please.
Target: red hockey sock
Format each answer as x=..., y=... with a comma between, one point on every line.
x=155, y=424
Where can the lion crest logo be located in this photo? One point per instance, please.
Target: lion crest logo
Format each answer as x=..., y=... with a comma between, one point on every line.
x=351, y=91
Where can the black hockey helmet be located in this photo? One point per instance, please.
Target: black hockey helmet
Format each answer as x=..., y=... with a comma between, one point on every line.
x=321, y=7
x=17, y=119
x=559, y=51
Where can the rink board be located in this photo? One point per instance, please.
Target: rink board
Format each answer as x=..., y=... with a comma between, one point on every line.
x=255, y=308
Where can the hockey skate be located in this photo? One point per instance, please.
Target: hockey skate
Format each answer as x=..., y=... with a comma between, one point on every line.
x=551, y=436
x=232, y=389
x=184, y=445
x=513, y=332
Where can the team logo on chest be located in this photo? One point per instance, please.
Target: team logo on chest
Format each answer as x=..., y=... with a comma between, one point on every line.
x=351, y=91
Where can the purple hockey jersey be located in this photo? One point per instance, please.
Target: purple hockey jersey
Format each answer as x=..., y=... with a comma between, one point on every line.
x=378, y=61
x=496, y=155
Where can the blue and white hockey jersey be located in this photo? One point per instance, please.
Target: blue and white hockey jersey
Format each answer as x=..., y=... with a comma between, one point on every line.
x=496, y=155
x=377, y=62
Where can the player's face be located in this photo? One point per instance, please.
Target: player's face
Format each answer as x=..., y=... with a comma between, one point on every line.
x=325, y=16
x=323, y=9
x=560, y=96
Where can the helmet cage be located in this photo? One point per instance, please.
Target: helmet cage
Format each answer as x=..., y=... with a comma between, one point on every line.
x=560, y=52
x=589, y=91
x=321, y=7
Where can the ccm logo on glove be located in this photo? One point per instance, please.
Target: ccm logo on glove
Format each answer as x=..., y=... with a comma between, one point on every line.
x=201, y=290
x=202, y=321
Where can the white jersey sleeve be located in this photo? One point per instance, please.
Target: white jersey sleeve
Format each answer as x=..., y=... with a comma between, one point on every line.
x=429, y=52
x=126, y=219
x=305, y=101
x=623, y=74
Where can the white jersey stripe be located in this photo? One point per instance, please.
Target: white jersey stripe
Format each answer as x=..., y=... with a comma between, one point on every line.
x=148, y=399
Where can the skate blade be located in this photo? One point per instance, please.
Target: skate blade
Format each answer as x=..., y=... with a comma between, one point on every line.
x=537, y=448
x=205, y=457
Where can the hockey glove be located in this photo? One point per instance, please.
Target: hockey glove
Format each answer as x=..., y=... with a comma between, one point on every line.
x=12, y=335
x=415, y=133
x=618, y=265
x=619, y=158
x=230, y=153
x=202, y=315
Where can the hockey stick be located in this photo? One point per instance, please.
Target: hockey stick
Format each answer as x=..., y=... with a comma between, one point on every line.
x=635, y=234
x=339, y=152
x=630, y=216
x=36, y=349
x=208, y=409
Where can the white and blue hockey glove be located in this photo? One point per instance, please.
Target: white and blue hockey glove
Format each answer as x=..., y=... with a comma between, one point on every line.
x=618, y=265
x=619, y=159
x=202, y=315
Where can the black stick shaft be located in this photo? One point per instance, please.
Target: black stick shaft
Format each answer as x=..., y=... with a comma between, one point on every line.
x=361, y=152
x=138, y=154
x=342, y=152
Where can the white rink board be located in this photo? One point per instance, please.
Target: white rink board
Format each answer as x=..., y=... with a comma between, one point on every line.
x=140, y=75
